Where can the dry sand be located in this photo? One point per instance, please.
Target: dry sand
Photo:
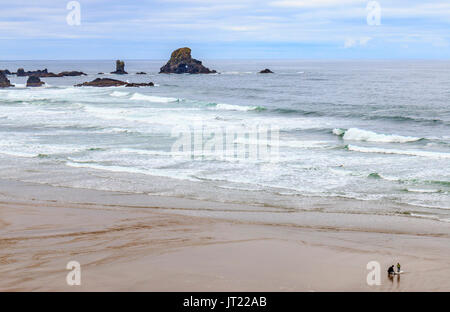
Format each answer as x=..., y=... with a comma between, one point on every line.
x=159, y=247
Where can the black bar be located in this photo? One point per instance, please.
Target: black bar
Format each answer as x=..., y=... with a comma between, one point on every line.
x=191, y=302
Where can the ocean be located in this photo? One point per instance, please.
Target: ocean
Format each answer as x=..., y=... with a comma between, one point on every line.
x=376, y=132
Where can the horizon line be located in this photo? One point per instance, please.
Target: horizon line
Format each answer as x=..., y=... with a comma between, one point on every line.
x=240, y=59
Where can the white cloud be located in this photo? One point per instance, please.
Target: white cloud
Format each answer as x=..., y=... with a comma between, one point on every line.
x=241, y=28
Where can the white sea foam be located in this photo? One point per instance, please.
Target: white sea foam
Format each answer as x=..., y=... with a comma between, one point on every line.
x=153, y=152
x=278, y=143
x=356, y=134
x=230, y=107
x=398, y=152
x=115, y=130
x=106, y=113
x=424, y=216
x=413, y=190
x=107, y=168
x=18, y=154
x=153, y=98
x=119, y=94
x=236, y=73
x=338, y=131
x=132, y=170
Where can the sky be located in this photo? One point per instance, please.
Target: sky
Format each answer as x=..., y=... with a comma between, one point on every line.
x=225, y=29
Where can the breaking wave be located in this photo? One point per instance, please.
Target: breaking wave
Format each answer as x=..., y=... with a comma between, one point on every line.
x=355, y=134
x=153, y=98
x=236, y=107
x=428, y=154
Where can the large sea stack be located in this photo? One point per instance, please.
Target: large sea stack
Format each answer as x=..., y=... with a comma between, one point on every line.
x=34, y=81
x=181, y=62
x=4, y=81
x=120, y=68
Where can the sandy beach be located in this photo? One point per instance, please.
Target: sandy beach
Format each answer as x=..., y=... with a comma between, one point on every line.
x=164, y=244
x=225, y=146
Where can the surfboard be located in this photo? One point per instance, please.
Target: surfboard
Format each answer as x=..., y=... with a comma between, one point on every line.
x=398, y=273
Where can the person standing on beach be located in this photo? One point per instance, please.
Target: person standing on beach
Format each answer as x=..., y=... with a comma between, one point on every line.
x=398, y=267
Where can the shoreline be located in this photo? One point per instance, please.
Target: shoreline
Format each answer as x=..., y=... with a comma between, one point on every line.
x=128, y=242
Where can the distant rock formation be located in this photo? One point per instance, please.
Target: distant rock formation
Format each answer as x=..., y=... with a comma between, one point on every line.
x=134, y=84
x=37, y=73
x=107, y=82
x=20, y=72
x=181, y=62
x=141, y=73
x=120, y=68
x=5, y=72
x=44, y=73
x=4, y=81
x=266, y=71
x=34, y=81
x=71, y=74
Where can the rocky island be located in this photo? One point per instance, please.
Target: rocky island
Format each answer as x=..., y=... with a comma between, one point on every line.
x=120, y=68
x=181, y=62
x=108, y=82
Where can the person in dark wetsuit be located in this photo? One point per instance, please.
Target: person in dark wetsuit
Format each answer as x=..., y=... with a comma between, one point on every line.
x=391, y=270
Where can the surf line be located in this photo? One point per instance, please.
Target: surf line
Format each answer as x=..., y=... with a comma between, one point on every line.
x=194, y=302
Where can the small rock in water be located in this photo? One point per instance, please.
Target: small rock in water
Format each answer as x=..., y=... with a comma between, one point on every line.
x=266, y=71
x=34, y=81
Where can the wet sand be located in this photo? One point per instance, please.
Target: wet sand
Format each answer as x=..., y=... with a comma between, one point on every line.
x=131, y=242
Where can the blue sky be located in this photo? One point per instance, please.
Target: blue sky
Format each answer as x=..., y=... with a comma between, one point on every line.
x=224, y=29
